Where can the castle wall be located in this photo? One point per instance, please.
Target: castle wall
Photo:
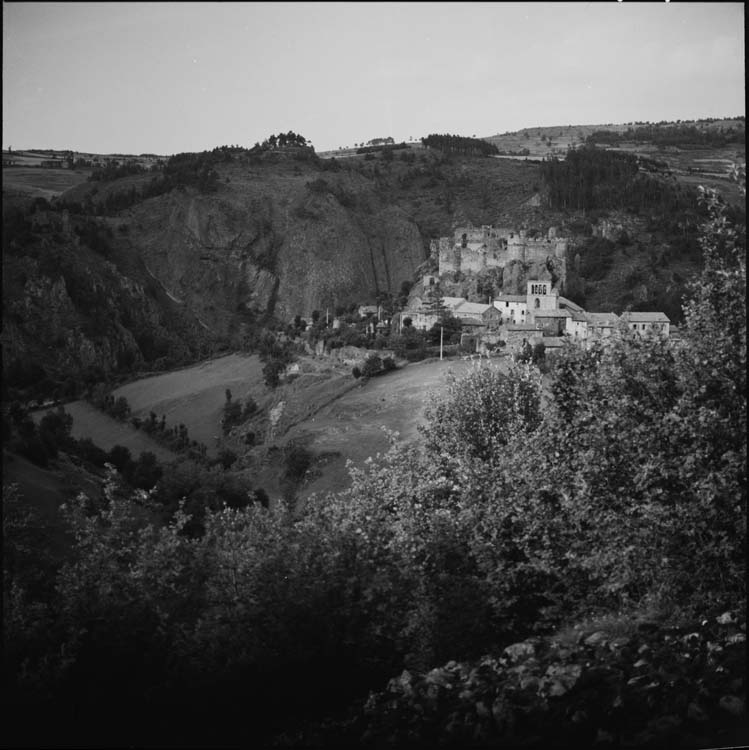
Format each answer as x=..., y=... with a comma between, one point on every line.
x=487, y=247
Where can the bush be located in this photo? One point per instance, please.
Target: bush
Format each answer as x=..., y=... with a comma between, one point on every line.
x=372, y=366
x=356, y=372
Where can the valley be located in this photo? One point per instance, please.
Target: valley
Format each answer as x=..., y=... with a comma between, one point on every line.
x=262, y=321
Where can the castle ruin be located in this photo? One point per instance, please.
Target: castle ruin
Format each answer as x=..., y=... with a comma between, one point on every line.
x=474, y=250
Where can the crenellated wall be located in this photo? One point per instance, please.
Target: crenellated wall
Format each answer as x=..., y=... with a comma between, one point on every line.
x=476, y=249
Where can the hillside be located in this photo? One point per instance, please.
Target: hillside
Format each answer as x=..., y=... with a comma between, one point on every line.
x=157, y=272
x=689, y=162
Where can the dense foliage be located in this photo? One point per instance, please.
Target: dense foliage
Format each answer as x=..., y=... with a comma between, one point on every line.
x=591, y=178
x=671, y=134
x=621, y=485
x=458, y=144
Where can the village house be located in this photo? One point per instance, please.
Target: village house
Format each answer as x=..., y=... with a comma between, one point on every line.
x=601, y=325
x=511, y=307
x=644, y=322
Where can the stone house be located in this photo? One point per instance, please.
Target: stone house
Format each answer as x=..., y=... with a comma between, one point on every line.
x=552, y=322
x=486, y=316
x=512, y=307
x=644, y=322
x=601, y=325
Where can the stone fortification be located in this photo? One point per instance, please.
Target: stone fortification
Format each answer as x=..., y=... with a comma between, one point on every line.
x=476, y=249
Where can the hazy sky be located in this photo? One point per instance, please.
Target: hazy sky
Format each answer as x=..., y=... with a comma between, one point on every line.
x=171, y=77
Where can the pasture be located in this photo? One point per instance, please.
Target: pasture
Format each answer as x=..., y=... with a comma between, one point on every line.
x=107, y=432
x=354, y=426
x=195, y=396
x=41, y=183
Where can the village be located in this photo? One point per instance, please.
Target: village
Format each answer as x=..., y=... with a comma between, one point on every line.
x=541, y=315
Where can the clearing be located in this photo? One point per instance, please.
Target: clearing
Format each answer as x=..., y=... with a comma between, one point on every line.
x=195, y=396
x=42, y=183
x=354, y=426
x=106, y=432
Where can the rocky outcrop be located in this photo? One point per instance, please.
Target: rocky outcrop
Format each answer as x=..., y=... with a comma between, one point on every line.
x=67, y=310
x=274, y=245
x=640, y=685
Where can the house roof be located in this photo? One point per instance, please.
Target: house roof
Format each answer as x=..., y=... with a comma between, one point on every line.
x=552, y=314
x=452, y=302
x=580, y=317
x=570, y=305
x=511, y=298
x=521, y=327
x=475, y=308
x=645, y=317
x=602, y=319
x=471, y=322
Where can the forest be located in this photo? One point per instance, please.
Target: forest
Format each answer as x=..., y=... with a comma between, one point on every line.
x=458, y=144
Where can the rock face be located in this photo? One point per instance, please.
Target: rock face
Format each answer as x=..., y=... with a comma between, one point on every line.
x=68, y=311
x=277, y=246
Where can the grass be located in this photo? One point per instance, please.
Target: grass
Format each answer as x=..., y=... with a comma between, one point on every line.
x=356, y=425
x=195, y=396
x=44, y=183
x=107, y=432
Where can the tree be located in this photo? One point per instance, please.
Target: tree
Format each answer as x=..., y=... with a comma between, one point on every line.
x=482, y=412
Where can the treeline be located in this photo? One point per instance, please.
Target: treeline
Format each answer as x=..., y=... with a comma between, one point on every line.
x=384, y=147
x=180, y=171
x=671, y=135
x=282, y=140
x=591, y=178
x=458, y=144
x=115, y=170
x=173, y=438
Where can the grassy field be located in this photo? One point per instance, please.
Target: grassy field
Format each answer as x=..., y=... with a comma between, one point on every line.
x=195, y=396
x=353, y=427
x=44, y=183
x=107, y=432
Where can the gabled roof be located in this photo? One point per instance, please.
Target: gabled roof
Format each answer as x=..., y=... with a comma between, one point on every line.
x=570, y=305
x=475, y=308
x=602, y=319
x=580, y=317
x=521, y=327
x=452, y=302
x=645, y=317
x=552, y=314
x=471, y=322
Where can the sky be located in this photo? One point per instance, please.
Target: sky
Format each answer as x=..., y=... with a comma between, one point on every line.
x=170, y=77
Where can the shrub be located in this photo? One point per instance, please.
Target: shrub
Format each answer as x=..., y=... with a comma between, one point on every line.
x=356, y=372
x=372, y=366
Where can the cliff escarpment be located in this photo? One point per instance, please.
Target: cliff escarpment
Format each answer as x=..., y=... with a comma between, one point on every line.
x=282, y=244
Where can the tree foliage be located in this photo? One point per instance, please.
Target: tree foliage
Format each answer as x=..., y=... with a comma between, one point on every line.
x=457, y=144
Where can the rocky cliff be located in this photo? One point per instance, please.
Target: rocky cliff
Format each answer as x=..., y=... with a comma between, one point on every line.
x=280, y=243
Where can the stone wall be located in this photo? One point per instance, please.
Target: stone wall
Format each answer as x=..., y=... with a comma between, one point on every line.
x=476, y=250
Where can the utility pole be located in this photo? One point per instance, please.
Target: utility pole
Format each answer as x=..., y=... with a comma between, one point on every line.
x=442, y=331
